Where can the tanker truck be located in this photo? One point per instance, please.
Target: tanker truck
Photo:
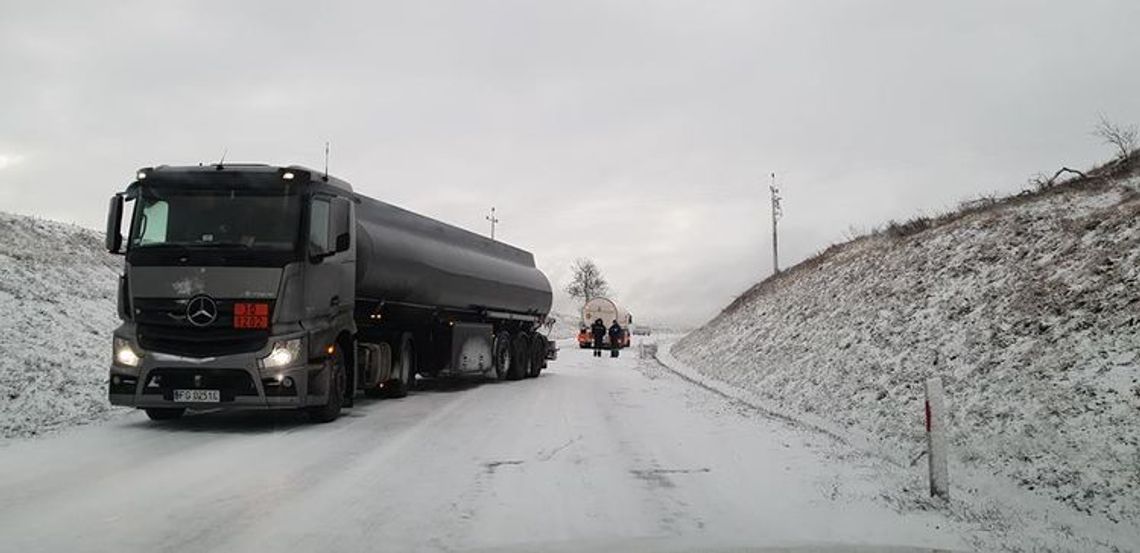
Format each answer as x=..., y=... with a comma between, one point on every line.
x=263, y=287
x=608, y=311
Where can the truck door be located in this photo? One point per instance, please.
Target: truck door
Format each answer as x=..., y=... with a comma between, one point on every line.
x=331, y=268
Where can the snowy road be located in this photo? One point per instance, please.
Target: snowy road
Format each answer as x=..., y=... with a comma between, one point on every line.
x=594, y=449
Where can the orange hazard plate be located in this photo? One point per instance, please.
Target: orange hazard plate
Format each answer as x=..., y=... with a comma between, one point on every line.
x=251, y=315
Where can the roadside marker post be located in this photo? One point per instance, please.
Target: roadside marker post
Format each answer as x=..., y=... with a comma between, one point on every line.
x=936, y=439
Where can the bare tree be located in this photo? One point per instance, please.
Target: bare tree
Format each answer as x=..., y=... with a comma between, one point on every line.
x=1123, y=138
x=587, y=282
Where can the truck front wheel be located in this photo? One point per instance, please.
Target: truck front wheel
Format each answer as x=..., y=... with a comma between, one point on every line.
x=336, y=383
x=165, y=414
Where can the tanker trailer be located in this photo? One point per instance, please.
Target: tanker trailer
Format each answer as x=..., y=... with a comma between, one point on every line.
x=253, y=286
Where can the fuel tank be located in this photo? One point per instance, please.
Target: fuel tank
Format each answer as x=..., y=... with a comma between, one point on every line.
x=406, y=257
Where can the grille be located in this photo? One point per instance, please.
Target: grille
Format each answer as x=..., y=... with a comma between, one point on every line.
x=162, y=327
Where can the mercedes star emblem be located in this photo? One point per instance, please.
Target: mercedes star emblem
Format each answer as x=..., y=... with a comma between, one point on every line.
x=201, y=310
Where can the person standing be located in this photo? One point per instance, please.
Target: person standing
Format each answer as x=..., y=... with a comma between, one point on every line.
x=616, y=334
x=598, y=329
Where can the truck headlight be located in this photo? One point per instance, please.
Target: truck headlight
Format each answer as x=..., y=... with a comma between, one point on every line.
x=124, y=354
x=284, y=353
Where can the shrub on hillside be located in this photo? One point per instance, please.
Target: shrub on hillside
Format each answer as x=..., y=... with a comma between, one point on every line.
x=911, y=227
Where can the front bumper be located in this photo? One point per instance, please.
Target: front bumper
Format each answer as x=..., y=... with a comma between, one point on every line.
x=239, y=379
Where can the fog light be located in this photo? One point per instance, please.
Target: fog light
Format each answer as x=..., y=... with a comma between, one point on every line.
x=116, y=380
x=287, y=382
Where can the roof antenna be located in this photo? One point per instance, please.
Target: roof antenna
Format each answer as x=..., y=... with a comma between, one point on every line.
x=326, y=177
x=221, y=162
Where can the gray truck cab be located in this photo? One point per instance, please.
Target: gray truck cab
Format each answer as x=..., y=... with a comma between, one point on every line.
x=237, y=289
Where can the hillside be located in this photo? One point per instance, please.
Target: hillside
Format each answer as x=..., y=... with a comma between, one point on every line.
x=1029, y=309
x=58, y=288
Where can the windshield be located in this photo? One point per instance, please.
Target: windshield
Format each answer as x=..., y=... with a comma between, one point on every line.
x=216, y=218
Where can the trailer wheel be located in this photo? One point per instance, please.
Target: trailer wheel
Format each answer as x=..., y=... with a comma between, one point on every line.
x=165, y=414
x=501, y=355
x=520, y=358
x=336, y=384
x=537, y=354
x=406, y=377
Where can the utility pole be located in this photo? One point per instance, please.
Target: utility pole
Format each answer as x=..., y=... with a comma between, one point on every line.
x=777, y=213
x=493, y=220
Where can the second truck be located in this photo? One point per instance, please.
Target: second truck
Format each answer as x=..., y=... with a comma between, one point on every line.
x=608, y=312
x=266, y=287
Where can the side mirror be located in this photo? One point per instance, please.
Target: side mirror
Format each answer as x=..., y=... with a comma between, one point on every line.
x=114, y=239
x=340, y=222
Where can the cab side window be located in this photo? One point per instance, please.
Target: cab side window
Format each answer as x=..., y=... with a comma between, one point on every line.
x=319, y=226
x=152, y=223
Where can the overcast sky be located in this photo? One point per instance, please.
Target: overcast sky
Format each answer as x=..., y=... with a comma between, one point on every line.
x=640, y=134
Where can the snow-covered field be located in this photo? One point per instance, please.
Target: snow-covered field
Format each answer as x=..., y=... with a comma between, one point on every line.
x=58, y=289
x=1029, y=311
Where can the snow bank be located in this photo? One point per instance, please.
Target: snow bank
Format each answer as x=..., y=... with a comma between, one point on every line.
x=57, y=286
x=1029, y=310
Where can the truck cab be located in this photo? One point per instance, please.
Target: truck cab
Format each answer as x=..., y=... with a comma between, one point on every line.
x=237, y=288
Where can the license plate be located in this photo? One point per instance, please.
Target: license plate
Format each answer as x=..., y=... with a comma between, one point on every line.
x=198, y=396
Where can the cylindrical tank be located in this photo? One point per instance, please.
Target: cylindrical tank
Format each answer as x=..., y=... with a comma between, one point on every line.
x=405, y=257
x=605, y=309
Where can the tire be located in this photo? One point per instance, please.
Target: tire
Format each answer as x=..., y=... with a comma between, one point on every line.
x=502, y=354
x=405, y=379
x=165, y=414
x=336, y=384
x=537, y=354
x=520, y=357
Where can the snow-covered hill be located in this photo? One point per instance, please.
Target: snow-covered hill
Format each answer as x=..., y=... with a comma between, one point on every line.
x=57, y=286
x=1029, y=309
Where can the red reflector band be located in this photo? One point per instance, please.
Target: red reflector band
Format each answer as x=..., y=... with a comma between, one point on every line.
x=251, y=315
